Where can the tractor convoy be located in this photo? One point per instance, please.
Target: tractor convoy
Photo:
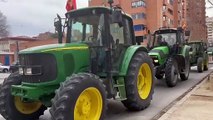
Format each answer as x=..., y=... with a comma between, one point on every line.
x=99, y=60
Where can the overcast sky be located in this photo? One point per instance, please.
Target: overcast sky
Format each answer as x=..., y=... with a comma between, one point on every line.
x=31, y=17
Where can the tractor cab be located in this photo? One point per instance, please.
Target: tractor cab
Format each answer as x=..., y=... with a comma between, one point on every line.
x=107, y=33
x=168, y=38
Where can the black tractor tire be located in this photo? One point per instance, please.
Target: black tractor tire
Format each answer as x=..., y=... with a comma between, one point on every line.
x=135, y=101
x=67, y=98
x=171, y=72
x=7, y=102
x=200, y=65
x=184, y=76
x=206, y=66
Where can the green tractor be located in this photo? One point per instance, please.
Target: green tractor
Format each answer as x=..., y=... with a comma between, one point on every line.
x=100, y=60
x=169, y=54
x=199, y=55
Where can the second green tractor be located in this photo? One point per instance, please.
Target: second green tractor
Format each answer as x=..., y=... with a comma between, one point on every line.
x=170, y=55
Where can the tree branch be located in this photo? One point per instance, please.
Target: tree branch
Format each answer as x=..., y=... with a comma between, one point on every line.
x=210, y=2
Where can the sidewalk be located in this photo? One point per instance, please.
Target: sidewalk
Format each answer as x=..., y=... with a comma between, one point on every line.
x=196, y=105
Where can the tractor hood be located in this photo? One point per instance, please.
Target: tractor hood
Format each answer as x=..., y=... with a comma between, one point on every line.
x=159, y=54
x=159, y=51
x=55, y=48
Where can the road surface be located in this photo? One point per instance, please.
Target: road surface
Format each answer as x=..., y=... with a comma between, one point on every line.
x=163, y=97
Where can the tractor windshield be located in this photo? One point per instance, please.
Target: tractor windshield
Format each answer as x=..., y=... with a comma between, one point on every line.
x=165, y=39
x=86, y=28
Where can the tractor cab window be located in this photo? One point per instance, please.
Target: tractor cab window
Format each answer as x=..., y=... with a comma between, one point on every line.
x=122, y=38
x=121, y=34
x=87, y=29
x=167, y=39
x=195, y=47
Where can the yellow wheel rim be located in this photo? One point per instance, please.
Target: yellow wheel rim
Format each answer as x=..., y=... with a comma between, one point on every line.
x=88, y=105
x=26, y=108
x=144, y=82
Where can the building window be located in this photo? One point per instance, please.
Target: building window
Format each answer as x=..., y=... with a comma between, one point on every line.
x=164, y=18
x=139, y=27
x=164, y=8
x=170, y=11
x=139, y=16
x=140, y=3
x=171, y=2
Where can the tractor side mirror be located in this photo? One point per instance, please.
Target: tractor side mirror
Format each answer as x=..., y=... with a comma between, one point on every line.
x=117, y=16
x=187, y=33
x=58, y=28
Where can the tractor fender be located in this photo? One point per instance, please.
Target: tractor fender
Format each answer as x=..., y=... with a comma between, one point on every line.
x=185, y=51
x=180, y=60
x=128, y=56
x=206, y=57
x=183, y=56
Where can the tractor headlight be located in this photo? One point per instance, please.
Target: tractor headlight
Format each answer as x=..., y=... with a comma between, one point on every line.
x=156, y=61
x=21, y=71
x=28, y=71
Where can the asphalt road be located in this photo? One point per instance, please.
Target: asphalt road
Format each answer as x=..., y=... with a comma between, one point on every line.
x=163, y=97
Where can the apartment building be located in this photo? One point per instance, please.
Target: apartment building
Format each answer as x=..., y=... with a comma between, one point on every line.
x=149, y=15
x=196, y=19
x=153, y=14
x=209, y=24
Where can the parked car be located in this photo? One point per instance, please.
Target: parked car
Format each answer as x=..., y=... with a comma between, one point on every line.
x=13, y=67
x=4, y=68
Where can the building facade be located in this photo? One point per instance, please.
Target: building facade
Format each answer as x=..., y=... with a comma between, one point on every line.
x=150, y=15
x=10, y=46
x=209, y=24
x=196, y=20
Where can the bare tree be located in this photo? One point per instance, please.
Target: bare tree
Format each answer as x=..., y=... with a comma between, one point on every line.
x=3, y=26
x=210, y=2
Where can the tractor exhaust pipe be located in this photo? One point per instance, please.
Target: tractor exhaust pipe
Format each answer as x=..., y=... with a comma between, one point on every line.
x=58, y=28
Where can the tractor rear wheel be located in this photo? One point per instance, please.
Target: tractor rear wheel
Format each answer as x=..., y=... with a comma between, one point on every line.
x=184, y=76
x=139, y=82
x=80, y=97
x=171, y=72
x=12, y=107
x=200, y=65
x=206, y=65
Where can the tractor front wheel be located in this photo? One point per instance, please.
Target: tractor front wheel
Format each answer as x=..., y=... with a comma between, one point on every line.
x=80, y=97
x=139, y=82
x=171, y=73
x=12, y=107
x=200, y=65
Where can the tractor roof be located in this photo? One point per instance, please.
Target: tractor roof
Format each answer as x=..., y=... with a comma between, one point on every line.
x=196, y=42
x=93, y=10
x=168, y=30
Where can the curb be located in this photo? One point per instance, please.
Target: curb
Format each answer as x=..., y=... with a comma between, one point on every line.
x=168, y=110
